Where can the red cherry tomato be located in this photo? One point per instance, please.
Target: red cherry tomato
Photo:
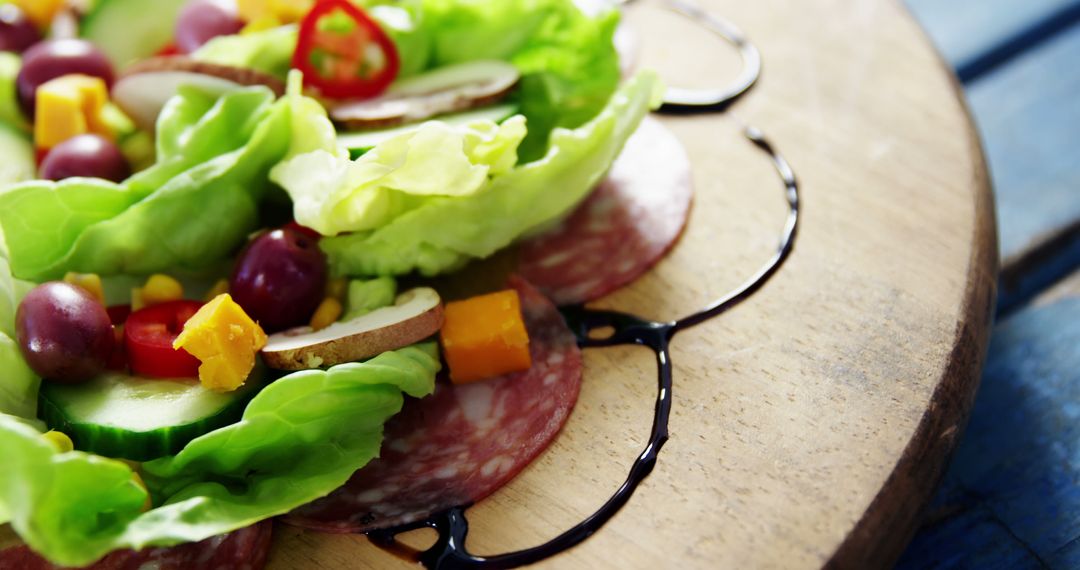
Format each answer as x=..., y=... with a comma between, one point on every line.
x=149, y=334
x=344, y=53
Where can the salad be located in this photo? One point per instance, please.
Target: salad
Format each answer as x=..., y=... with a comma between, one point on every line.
x=208, y=210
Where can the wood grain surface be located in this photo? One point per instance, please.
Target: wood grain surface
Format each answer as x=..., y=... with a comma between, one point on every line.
x=812, y=423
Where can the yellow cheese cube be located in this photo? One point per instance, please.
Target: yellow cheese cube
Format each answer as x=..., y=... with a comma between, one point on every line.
x=40, y=12
x=225, y=339
x=69, y=106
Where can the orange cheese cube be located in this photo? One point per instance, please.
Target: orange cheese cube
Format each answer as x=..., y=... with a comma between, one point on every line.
x=40, y=12
x=69, y=106
x=225, y=339
x=484, y=337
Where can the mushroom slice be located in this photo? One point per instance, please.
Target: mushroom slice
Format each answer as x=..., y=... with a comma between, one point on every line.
x=415, y=315
x=444, y=90
x=146, y=86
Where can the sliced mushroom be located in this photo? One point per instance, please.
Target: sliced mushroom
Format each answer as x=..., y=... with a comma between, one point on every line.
x=415, y=315
x=146, y=86
x=444, y=90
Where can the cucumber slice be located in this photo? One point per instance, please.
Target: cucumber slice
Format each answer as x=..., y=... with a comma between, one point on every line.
x=134, y=418
x=359, y=142
x=18, y=164
x=129, y=30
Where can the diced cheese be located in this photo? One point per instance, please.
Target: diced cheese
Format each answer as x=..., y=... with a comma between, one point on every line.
x=69, y=106
x=484, y=337
x=225, y=339
x=40, y=12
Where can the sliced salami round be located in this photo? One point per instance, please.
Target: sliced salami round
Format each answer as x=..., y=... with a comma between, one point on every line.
x=462, y=443
x=624, y=228
x=245, y=549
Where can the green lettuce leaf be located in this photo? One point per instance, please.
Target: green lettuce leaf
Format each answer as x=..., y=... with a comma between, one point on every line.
x=269, y=51
x=567, y=59
x=10, y=112
x=299, y=439
x=333, y=194
x=441, y=233
x=195, y=206
x=18, y=383
x=367, y=295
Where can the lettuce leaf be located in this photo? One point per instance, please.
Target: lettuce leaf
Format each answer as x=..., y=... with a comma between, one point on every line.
x=299, y=439
x=441, y=233
x=195, y=206
x=567, y=59
x=18, y=383
x=333, y=194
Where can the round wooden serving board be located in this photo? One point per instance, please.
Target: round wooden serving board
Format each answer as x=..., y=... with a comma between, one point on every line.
x=811, y=423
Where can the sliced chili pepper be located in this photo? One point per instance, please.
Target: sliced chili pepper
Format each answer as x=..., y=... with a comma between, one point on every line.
x=149, y=334
x=344, y=53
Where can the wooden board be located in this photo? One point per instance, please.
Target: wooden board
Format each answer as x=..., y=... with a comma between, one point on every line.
x=812, y=423
x=1010, y=498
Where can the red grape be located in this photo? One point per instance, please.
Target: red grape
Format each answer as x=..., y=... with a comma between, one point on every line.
x=54, y=58
x=17, y=32
x=85, y=155
x=64, y=333
x=280, y=279
x=203, y=20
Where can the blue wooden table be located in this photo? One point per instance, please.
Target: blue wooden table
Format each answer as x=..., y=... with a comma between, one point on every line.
x=1011, y=497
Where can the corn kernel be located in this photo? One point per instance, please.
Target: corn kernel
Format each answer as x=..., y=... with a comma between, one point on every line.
x=89, y=282
x=337, y=288
x=328, y=313
x=60, y=440
x=137, y=301
x=161, y=289
x=138, y=480
x=219, y=288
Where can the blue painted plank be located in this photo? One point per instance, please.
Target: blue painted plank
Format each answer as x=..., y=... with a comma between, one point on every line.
x=1012, y=493
x=1029, y=115
x=967, y=30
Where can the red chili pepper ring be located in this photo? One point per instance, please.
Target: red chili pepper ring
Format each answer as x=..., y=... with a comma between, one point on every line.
x=344, y=53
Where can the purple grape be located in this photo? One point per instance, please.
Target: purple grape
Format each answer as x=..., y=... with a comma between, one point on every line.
x=64, y=333
x=92, y=156
x=17, y=32
x=54, y=58
x=280, y=279
x=203, y=20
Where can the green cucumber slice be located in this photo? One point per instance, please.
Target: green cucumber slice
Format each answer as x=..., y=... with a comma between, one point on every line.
x=130, y=30
x=127, y=417
x=359, y=142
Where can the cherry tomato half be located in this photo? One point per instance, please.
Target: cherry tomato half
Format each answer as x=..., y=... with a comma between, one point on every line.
x=344, y=53
x=149, y=334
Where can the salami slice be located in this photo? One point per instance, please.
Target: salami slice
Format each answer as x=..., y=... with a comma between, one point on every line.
x=464, y=442
x=624, y=228
x=245, y=549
